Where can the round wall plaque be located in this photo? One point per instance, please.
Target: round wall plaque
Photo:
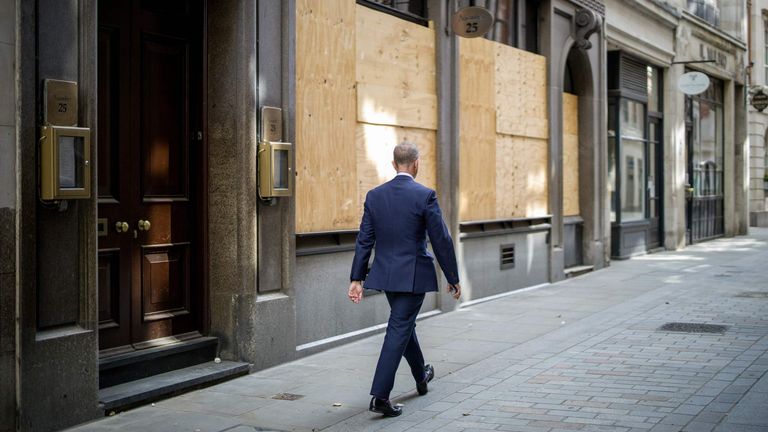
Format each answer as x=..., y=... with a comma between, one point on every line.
x=472, y=21
x=760, y=100
x=693, y=83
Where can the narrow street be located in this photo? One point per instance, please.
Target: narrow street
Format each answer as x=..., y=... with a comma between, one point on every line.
x=586, y=354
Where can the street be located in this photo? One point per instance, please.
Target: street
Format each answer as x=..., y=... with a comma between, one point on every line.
x=585, y=354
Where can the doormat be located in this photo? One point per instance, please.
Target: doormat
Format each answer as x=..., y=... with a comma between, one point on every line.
x=693, y=327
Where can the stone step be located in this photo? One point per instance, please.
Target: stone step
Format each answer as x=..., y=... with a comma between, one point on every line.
x=143, y=363
x=578, y=270
x=133, y=393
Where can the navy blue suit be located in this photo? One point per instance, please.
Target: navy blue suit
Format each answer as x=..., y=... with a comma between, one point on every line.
x=397, y=217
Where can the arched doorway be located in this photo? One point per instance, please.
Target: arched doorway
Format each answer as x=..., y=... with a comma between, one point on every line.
x=577, y=168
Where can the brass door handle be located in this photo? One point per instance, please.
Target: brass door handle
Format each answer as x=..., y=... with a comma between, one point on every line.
x=121, y=227
x=144, y=225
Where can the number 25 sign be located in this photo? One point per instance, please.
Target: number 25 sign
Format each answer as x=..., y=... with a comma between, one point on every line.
x=472, y=21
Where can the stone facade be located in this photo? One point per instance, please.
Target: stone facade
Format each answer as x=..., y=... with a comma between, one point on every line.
x=758, y=121
x=668, y=36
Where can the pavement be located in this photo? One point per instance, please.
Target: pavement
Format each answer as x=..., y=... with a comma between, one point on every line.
x=585, y=354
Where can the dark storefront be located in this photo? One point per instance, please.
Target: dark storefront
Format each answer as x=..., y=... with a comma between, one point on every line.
x=635, y=155
x=704, y=169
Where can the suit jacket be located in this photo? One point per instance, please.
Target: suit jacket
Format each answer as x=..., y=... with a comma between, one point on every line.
x=396, y=219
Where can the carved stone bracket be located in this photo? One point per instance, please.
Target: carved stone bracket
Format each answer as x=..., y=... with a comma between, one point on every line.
x=586, y=22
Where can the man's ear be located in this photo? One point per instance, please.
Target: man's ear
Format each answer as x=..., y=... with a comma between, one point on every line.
x=394, y=165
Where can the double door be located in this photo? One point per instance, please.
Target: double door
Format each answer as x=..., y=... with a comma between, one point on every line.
x=150, y=171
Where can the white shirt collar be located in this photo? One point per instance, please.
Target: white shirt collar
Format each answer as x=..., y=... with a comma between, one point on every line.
x=405, y=174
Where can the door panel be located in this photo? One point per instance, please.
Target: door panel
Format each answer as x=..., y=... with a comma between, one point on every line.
x=150, y=98
x=164, y=127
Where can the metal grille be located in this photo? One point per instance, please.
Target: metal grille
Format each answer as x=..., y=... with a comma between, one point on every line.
x=596, y=5
x=507, y=256
x=693, y=327
x=634, y=75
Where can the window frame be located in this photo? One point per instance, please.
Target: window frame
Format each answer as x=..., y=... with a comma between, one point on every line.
x=408, y=16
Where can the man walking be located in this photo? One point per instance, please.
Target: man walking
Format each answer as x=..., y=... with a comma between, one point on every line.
x=396, y=218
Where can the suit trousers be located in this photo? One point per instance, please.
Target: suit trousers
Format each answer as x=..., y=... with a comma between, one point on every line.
x=400, y=341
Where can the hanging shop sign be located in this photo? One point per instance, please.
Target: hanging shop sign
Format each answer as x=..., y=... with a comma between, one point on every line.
x=693, y=83
x=472, y=21
x=760, y=100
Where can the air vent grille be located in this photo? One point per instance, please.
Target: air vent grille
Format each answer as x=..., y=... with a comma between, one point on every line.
x=507, y=256
x=634, y=75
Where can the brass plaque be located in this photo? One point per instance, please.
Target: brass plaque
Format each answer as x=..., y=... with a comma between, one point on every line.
x=271, y=124
x=60, y=101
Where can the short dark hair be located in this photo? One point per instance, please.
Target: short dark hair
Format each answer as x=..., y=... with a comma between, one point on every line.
x=405, y=153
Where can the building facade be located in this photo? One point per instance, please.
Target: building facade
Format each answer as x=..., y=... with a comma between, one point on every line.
x=678, y=163
x=555, y=143
x=758, y=121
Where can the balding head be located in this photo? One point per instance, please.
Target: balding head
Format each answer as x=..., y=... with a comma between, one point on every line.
x=406, y=158
x=405, y=153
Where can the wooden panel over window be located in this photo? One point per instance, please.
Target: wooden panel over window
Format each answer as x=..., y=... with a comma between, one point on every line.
x=326, y=186
x=570, y=155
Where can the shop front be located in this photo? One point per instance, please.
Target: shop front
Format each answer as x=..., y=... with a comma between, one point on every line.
x=635, y=155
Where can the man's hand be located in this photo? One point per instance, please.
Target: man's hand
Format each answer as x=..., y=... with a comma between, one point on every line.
x=355, y=291
x=454, y=290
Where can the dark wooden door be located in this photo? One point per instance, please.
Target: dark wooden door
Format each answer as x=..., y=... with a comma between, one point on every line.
x=150, y=143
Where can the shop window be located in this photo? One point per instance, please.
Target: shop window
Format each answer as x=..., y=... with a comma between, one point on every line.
x=515, y=22
x=765, y=51
x=411, y=10
x=635, y=124
x=708, y=10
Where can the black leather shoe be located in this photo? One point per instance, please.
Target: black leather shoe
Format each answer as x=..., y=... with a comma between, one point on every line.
x=385, y=407
x=421, y=387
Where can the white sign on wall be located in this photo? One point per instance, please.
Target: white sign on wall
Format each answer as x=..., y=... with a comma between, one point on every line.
x=693, y=83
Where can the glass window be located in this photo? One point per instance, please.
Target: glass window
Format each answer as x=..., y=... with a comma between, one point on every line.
x=415, y=8
x=708, y=10
x=633, y=182
x=515, y=22
x=632, y=119
x=612, y=159
x=654, y=90
x=765, y=58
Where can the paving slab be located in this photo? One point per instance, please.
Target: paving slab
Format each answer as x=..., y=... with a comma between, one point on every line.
x=584, y=354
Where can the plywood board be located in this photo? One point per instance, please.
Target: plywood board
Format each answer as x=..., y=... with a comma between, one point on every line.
x=521, y=177
x=396, y=106
x=521, y=92
x=395, y=71
x=570, y=155
x=374, y=155
x=531, y=177
x=477, y=179
x=393, y=52
x=326, y=185
x=507, y=163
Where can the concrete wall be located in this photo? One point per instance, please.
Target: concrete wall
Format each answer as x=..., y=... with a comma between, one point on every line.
x=558, y=34
x=480, y=270
x=7, y=215
x=322, y=307
x=57, y=244
x=251, y=307
x=758, y=121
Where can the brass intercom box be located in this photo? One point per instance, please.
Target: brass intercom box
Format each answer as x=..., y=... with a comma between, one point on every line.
x=65, y=150
x=65, y=163
x=275, y=158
